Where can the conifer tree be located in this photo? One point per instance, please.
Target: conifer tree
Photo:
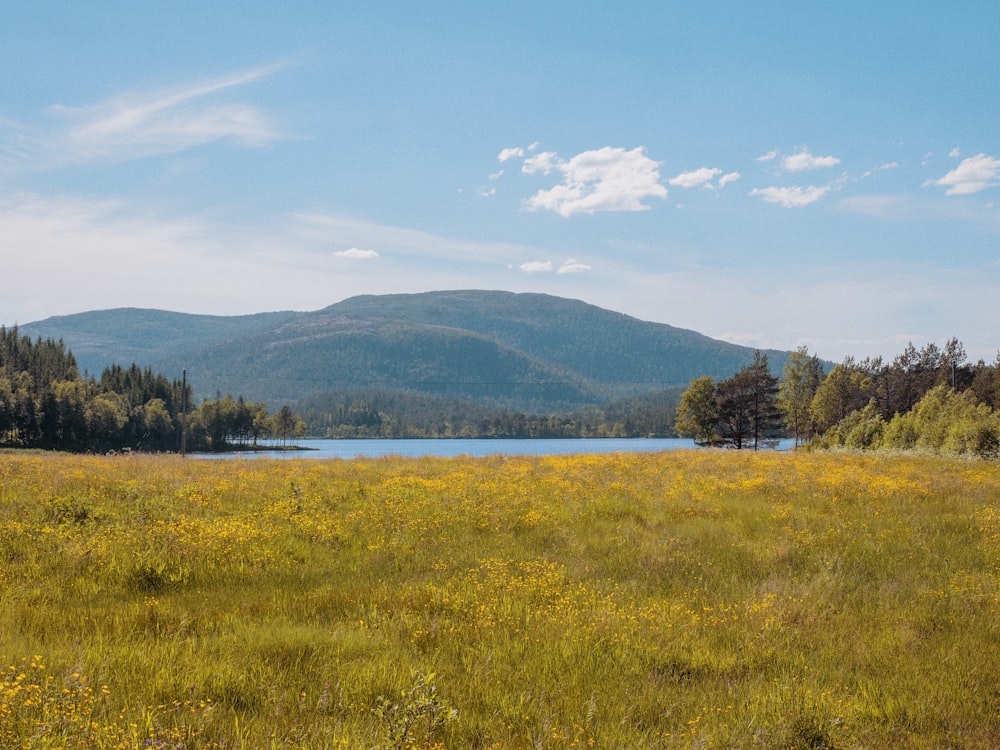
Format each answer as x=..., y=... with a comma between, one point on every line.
x=747, y=403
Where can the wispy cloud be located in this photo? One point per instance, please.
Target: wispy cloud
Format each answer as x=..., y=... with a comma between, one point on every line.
x=924, y=208
x=703, y=177
x=357, y=253
x=328, y=229
x=604, y=179
x=516, y=152
x=974, y=174
x=544, y=162
x=510, y=153
x=296, y=262
x=880, y=206
x=880, y=168
x=573, y=266
x=138, y=124
x=114, y=247
x=804, y=160
x=536, y=266
x=727, y=178
x=793, y=196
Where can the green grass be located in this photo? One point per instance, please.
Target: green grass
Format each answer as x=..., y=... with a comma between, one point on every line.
x=688, y=599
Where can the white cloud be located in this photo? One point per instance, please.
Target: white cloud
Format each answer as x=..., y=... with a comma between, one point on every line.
x=164, y=121
x=496, y=175
x=698, y=177
x=768, y=156
x=573, y=266
x=101, y=254
x=791, y=197
x=880, y=168
x=95, y=255
x=605, y=179
x=536, y=266
x=324, y=230
x=974, y=174
x=544, y=162
x=924, y=208
x=139, y=124
x=881, y=206
x=955, y=153
x=703, y=177
x=727, y=178
x=805, y=160
x=356, y=252
x=510, y=153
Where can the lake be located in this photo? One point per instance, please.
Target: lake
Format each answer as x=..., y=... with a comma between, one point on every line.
x=468, y=447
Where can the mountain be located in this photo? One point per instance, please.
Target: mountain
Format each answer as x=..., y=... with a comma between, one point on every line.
x=532, y=352
x=127, y=334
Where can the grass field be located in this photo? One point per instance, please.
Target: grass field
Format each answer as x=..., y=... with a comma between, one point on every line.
x=690, y=599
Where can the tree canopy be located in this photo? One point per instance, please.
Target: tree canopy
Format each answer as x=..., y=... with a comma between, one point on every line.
x=928, y=400
x=45, y=403
x=741, y=411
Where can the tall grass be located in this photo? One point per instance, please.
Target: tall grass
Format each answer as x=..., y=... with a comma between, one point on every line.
x=685, y=599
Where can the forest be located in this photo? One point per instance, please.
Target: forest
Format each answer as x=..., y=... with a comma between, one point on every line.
x=45, y=403
x=930, y=399
x=408, y=414
x=514, y=353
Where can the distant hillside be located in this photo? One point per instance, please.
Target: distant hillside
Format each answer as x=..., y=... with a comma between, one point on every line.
x=608, y=347
x=127, y=334
x=532, y=352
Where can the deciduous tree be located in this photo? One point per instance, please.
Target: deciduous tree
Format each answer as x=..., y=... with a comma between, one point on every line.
x=698, y=412
x=843, y=391
x=802, y=376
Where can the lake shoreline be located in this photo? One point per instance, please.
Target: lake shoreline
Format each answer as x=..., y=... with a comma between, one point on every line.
x=346, y=448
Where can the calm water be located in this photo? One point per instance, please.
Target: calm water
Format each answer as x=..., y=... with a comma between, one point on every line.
x=460, y=447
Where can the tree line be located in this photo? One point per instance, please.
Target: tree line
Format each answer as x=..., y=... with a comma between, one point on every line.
x=408, y=414
x=929, y=399
x=741, y=411
x=46, y=403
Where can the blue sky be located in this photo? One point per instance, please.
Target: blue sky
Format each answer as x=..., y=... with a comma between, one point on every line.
x=774, y=174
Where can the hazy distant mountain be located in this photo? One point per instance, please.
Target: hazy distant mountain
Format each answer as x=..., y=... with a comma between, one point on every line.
x=527, y=351
x=127, y=334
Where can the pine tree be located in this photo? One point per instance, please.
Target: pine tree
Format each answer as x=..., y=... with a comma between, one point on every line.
x=747, y=404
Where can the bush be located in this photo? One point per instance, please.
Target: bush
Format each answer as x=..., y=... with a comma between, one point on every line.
x=943, y=422
x=863, y=429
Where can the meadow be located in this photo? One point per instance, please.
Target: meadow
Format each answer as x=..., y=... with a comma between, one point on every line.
x=690, y=599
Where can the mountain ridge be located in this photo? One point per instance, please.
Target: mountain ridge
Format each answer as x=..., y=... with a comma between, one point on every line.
x=520, y=350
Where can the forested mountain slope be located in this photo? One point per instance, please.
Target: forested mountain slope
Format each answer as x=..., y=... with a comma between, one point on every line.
x=527, y=351
x=127, y=334
x=609, y=347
